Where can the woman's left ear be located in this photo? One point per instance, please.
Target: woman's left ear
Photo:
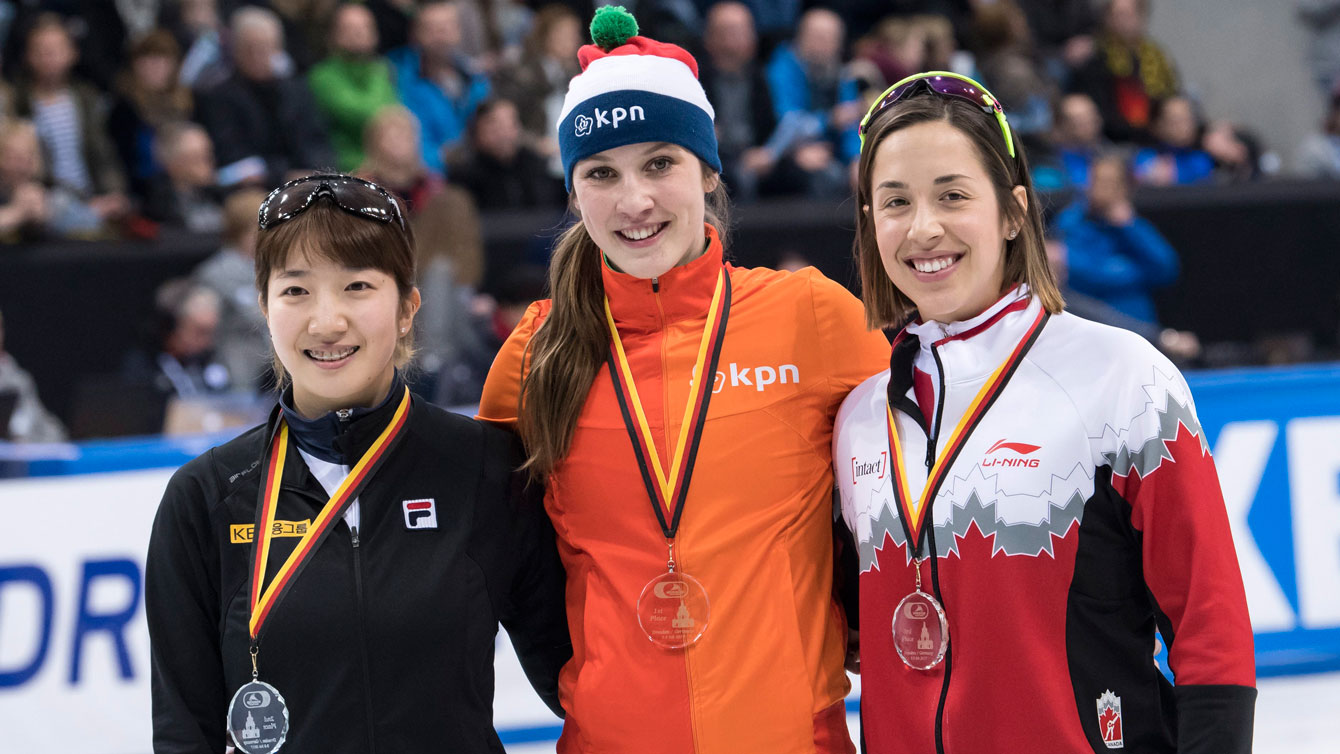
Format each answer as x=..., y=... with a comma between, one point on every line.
x=410, y=308
x=710, y=182
x=1020, y=195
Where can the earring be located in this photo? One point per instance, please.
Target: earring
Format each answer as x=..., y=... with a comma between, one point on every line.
x=402, y=330
x=1013, y=233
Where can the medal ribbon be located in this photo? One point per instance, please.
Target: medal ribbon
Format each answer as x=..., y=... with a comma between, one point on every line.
x=264, y=600
x=913, y=511
x=668, y=492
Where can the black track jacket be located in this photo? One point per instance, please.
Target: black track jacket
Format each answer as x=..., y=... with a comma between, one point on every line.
x=385, y=642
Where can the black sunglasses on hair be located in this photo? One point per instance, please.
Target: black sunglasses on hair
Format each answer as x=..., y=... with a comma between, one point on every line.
x=353, y=195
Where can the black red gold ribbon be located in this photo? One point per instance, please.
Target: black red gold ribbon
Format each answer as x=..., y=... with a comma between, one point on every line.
x=264, y=600
x=668, y=491
x=913, y=510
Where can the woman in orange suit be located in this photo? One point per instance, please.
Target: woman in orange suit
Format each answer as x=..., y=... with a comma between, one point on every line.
x=680, y=411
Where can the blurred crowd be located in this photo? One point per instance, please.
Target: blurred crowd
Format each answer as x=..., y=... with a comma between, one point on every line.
x=139, y=118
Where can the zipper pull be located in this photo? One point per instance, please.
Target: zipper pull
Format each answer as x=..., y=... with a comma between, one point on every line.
x=655, y=285
x=354, y=531
x=930, y=457
x=343, y=414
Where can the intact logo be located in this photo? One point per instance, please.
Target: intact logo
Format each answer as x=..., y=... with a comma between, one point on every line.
x=1109, y=720
x=756, y=377
x=866, y=468
x=420, y=514
x=612, y=118
x=1014, y=455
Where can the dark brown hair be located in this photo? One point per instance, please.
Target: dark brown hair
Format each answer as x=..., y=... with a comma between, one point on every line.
x=573, y=342
x=1025, y=256
x=354, y=242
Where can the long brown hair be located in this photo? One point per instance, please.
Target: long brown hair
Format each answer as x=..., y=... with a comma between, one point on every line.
x=1025, y=255
x=573, y=342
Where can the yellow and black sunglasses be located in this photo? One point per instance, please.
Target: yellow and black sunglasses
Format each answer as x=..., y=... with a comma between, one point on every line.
x=947, y=84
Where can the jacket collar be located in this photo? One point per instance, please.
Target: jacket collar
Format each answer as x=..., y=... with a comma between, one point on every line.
x=683, y=292
x=336, y=439
x=935, y=333
x=976, y=346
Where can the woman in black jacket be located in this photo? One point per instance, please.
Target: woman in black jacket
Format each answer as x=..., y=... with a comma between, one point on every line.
x=333, y=581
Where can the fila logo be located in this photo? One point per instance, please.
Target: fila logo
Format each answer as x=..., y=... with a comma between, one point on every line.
x=1018, y=448
x=760, y=379
x=610, y=118
x=866, y=468
x=1109, y=720
x=420, y=514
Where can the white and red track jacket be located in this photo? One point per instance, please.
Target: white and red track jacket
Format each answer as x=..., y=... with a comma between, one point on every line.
x=1079, y=514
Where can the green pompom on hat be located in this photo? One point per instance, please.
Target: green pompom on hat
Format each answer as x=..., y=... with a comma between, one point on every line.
x=612, y=26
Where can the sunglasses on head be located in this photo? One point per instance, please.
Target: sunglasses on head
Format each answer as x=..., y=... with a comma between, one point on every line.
x=353, y=195
x=946, y=84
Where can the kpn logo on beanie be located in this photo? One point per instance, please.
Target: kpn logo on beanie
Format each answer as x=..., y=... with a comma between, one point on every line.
x=633, y=90
x=610, y=118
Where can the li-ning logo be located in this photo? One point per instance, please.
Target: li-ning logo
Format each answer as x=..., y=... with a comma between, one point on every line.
x=1020, y=448
x=1109, y=720
x=866, y=468
x=612, y=118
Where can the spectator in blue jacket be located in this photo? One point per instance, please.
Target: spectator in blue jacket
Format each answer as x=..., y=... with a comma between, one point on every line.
x=816, y=102
x=1177, y=159
x=1115, y=256
x=439, y=84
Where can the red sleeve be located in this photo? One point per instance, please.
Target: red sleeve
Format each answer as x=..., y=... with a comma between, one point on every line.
x=1192, y=572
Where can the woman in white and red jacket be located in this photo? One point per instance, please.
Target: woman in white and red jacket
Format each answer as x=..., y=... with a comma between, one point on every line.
x=1031, y=494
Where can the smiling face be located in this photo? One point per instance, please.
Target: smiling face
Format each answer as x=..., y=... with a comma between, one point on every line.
x=335, y=330
x=643, y=205
x=937, y=221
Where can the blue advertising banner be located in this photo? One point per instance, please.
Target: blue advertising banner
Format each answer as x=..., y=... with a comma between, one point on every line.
x=1275, y=434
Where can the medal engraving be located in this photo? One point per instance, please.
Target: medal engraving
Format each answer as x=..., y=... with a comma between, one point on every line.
x=920, y=631
x=257, y=719
x=673, y=610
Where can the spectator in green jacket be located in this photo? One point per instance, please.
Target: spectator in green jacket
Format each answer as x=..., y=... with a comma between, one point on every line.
x=353, y=83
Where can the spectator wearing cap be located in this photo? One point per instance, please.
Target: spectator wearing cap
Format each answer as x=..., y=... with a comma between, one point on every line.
x=540, y=78
x=806, y=83
x=498, y=169
x=437, y=82
x=184, y=196
x=1176, y=159
x=353, y=84
x=241, y=337
x=80, y=156
x=1128, y=71
x=29, y=420
x=1114, y=255
x=264, y=124
x=148, y=96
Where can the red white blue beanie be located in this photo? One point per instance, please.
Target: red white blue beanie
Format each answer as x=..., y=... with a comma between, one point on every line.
x=632, y=90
